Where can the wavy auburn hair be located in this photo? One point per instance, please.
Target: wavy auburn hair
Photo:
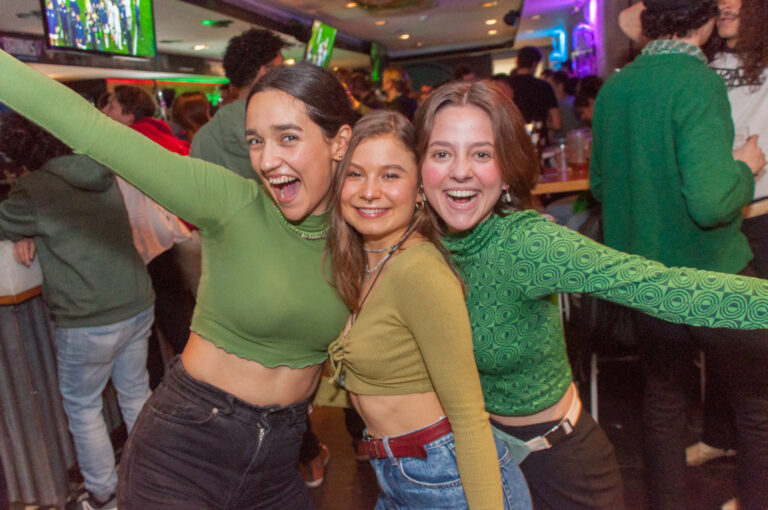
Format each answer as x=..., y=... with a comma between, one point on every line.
x=515, y=154
x=345, y=244
x=752, y=43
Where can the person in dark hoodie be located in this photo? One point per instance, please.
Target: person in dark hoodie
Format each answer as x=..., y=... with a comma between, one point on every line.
x=94, y=282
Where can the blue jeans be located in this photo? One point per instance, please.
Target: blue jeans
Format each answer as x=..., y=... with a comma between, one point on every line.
x=196, y=447
x=408, y=483
x=87, y=358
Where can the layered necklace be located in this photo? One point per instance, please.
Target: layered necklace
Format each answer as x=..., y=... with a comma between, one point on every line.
x=301, y=233
x=369, y=271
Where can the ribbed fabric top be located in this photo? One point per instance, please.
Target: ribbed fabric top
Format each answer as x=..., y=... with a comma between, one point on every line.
x=513, y=265
x=262, y=292
x=413, y=336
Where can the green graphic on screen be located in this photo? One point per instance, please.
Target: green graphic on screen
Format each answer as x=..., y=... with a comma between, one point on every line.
x=320, y=45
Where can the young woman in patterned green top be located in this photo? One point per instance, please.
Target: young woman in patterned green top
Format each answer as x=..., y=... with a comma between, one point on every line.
x=478, y=169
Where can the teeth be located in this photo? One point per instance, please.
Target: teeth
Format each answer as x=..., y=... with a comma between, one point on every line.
x=371, y=211
x=281, y=179
x=461, y=193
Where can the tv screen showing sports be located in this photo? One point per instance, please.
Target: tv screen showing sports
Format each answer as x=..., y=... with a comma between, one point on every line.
x=320, y=45
x=118, y=27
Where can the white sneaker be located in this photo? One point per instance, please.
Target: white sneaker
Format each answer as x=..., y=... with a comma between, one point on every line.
x=701, y=453
x=731, y=504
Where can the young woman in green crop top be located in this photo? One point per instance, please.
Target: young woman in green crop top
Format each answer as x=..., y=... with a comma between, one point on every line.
x=408, y=340
x=478, y=168
x=225, y=426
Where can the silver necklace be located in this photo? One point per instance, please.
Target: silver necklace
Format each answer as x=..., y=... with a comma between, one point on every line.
x=390, y=249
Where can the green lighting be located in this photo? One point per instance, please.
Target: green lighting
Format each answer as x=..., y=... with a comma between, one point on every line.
x=190, y=79
x=207, y=22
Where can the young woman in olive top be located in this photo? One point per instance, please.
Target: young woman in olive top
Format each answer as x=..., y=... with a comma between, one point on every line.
x=408, y=340
x=225, y=426
x=478, y=168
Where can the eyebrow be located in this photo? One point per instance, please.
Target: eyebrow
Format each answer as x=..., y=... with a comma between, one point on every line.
x=383, y=167
x=275, y=127
x=447, y=144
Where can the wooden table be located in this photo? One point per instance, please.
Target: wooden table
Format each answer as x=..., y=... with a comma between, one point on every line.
x=16, y=299
x=552, y=180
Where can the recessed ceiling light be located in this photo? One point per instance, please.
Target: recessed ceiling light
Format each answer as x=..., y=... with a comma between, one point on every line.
x=199, y=47
x=350, y=5
x=489, y=4
x=536, y=17
x=380, y=22
x=405, y=36
x=493, y=32
x=490, y=22
x=419, y=44
x=290, y=61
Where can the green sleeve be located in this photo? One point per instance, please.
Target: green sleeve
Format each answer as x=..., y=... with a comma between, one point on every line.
x=17, y=215
x=432, y=306
x=549, y=258
x=715, y=186
x=201, y=193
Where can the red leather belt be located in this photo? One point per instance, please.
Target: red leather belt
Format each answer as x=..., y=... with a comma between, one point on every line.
x=407, y=445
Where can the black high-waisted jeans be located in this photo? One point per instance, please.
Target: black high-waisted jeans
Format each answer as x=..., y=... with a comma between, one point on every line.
x=197, y=447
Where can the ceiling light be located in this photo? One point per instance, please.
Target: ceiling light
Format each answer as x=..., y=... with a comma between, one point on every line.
x=405, y=36
x=419, y=44
x=493, y=32
x=380, y=22
x=350, y=5
x=536, y=17
x=290, y=61
x=489, y=4
x=199, y=47
x=490, y=22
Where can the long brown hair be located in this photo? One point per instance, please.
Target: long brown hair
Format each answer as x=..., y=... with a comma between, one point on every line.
x=751, y=44
x=345, y=244
x=518, y=162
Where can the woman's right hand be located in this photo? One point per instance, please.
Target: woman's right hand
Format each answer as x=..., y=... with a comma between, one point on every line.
x=751, y=154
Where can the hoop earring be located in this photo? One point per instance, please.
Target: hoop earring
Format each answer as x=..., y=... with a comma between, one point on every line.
x=420, y=204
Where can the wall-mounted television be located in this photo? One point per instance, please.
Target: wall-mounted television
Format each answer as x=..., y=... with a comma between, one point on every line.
x=116, y=27
x=320, y=45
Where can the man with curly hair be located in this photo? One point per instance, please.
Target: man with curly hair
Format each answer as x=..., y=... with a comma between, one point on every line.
x=672, y=190
x=222, y=140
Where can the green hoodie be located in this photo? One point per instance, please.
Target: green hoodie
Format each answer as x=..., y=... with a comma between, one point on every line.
x=92, y=274
x=222, y=141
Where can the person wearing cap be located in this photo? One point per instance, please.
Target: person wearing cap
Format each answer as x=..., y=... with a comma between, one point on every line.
x=672, y=190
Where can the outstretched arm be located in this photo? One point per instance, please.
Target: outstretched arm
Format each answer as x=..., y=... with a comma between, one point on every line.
x=202, y=193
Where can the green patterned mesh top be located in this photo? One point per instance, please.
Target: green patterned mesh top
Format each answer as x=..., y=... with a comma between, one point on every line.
x=513, y=265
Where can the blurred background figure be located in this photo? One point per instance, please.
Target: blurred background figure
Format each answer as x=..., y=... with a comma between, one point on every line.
x=463, y=72
x=191, y=111
x=396, y=85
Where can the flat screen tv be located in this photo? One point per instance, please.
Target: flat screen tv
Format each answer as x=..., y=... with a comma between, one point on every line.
x=116, y=27
x=320, y=45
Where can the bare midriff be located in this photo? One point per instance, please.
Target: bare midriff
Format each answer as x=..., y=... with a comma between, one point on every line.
x=246, y=379
x=392, y=415
x=555, y=412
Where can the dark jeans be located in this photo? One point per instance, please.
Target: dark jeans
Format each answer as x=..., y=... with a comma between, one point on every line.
x=739, y=362
x=578, y=473
x=197, y=447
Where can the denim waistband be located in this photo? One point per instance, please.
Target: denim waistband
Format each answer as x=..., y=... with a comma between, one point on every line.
x=179, y=378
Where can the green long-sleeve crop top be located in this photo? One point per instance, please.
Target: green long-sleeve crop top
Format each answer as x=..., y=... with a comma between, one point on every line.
x=413, y=336
x=512, y=265
x=262, y=293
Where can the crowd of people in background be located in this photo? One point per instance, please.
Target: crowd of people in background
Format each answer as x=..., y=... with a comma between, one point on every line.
x=297, y=154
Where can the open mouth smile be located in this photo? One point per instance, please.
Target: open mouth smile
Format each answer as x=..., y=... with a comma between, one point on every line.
x=462, y=197
x=285, y=187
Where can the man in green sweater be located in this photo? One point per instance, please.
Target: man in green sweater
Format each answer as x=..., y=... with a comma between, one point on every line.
x=95, y=284
x=672, y=190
